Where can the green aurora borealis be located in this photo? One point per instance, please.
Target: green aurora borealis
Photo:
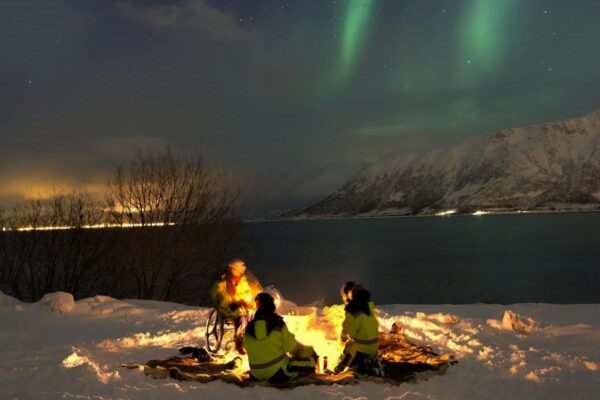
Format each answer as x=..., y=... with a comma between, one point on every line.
x=292, y=96
x=355, y=26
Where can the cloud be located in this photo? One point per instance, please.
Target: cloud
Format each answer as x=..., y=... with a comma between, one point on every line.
x=124, y=147
x=43, y=184
x=195, y=16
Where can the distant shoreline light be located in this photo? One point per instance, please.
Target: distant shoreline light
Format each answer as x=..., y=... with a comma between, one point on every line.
x=477, y=213
x=445, y=213
x=95, y=226
x=480, y=212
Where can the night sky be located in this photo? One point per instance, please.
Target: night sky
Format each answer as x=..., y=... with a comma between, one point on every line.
x=292, y=96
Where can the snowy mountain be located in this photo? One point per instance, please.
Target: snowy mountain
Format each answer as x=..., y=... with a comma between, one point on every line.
x=553, y=166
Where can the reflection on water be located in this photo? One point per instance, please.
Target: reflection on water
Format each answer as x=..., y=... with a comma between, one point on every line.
x=552, y=258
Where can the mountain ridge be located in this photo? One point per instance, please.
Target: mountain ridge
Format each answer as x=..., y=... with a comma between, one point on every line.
x=544, y=167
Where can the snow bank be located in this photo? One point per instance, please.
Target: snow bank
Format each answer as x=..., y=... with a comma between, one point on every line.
x=102, y=304
x=8, y=301
x=57, y=302
x=97, y=300
x=443, y=331
x=514, y=322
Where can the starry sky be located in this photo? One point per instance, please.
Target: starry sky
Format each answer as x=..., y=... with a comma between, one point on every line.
x=291, y=97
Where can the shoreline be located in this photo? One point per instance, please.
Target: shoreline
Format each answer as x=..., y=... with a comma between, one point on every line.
x=484, y=213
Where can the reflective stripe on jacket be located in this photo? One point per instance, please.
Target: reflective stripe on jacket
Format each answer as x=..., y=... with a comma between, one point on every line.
x=363, y=331
x=268, y=352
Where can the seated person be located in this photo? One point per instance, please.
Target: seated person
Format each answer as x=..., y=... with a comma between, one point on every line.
x=273, y=352
x=233, y=295
x=360, y=330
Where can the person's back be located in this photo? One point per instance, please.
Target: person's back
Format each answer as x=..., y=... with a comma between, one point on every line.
x=268, y=343
x=360, y=327
x=361, y=324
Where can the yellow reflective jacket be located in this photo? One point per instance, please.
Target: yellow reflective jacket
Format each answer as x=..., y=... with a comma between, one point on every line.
x=245, y=291
x=362, y=331
x=268, y=345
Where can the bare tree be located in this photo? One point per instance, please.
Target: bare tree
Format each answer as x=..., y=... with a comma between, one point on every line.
x=84, y=269
x=5, y=267
x=68, y=258
x=184, y=212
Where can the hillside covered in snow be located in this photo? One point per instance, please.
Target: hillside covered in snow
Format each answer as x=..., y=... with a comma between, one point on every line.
x=549, y=167
x=61, y=349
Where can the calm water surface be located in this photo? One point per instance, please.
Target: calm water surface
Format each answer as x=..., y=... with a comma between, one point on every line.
x=552, y=258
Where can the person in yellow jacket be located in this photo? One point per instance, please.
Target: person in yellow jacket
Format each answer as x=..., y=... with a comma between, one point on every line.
x=360, y=329
x=233, y=296
x=274, y=354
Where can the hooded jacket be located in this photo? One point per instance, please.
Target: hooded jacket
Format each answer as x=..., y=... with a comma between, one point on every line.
x=360, y=325
x=268, y=343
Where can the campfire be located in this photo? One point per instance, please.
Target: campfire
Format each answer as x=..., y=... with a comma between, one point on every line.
x=321, y=329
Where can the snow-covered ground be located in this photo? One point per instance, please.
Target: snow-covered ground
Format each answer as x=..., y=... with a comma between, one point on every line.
x=57, y=349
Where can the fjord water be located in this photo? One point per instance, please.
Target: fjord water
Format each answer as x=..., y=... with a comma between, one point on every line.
x=550, y=258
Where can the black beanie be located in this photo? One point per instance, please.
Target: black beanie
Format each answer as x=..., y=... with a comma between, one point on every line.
x=265, y=302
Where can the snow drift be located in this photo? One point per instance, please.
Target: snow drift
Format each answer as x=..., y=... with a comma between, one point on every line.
x=513, y=322
x=58, y=302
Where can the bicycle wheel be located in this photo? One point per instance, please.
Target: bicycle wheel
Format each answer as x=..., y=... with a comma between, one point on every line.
x=214, y=331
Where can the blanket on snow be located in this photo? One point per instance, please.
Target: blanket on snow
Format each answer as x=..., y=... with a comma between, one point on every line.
x=404, y=361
